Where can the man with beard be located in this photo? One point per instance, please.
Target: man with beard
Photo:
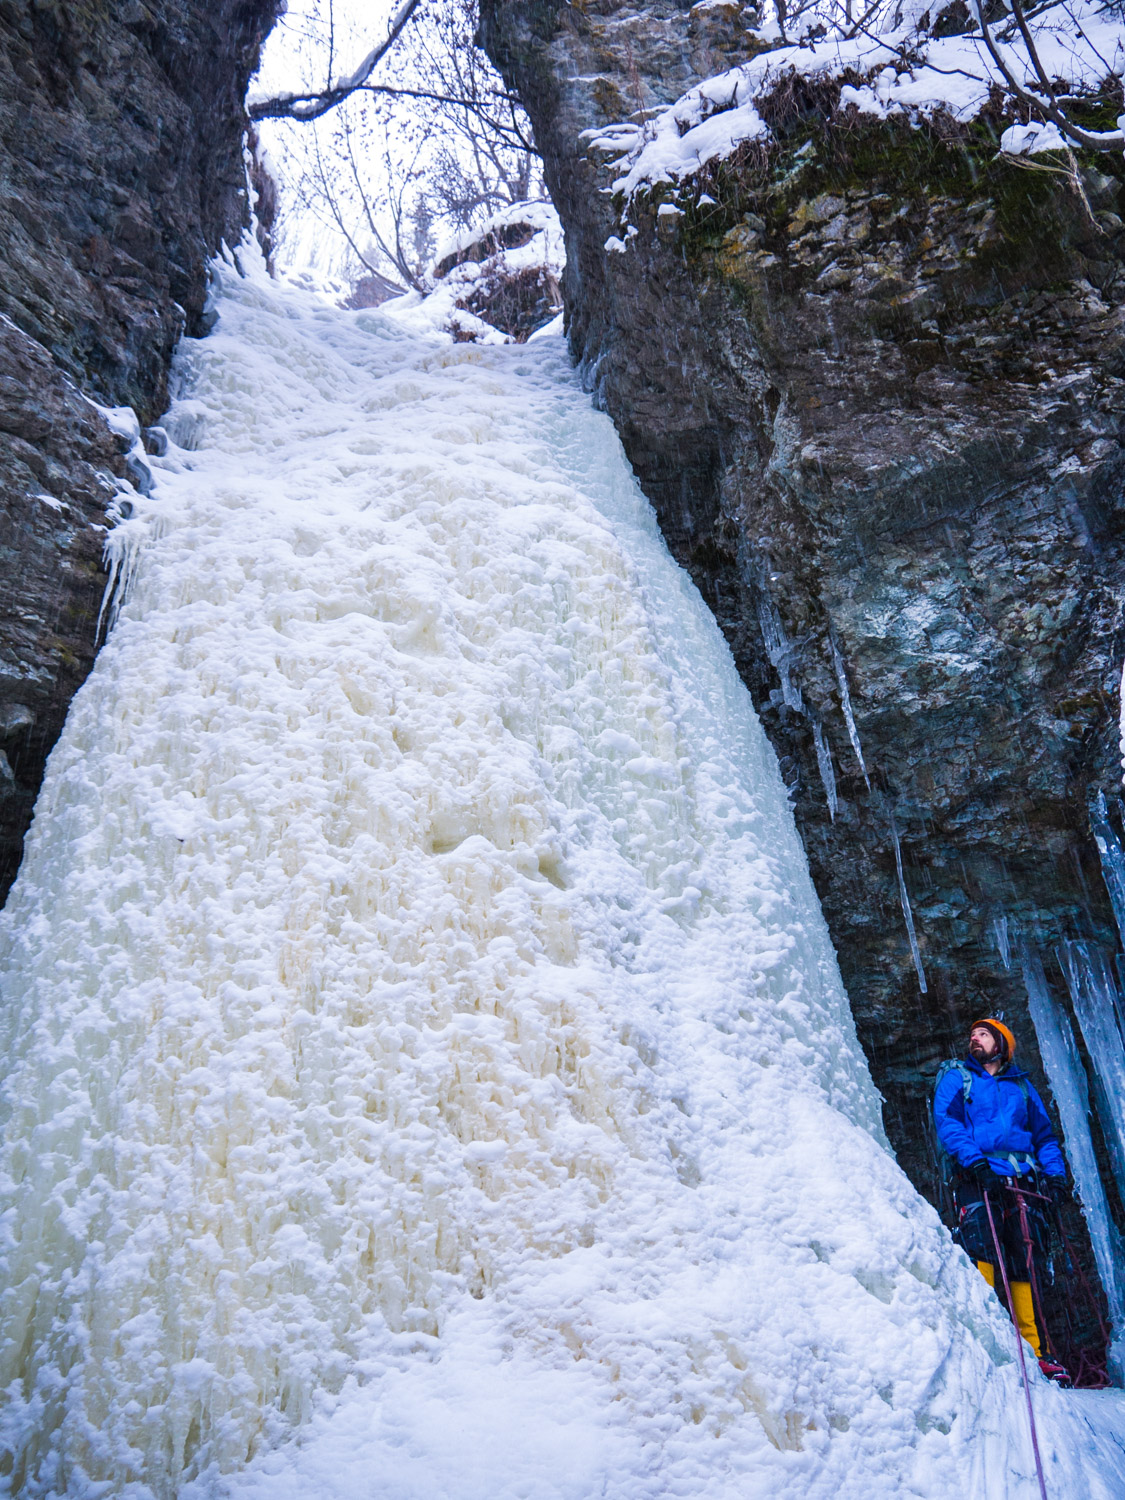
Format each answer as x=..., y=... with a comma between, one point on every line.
x=992, y=1123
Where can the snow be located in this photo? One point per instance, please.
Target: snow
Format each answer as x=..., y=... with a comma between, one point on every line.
x=542, y=216
x=431, y=1075
x=438, y=310
x=1029, y=140
x=906, y=75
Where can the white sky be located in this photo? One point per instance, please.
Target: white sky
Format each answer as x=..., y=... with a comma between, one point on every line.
x=296, y=55
x=299, y=32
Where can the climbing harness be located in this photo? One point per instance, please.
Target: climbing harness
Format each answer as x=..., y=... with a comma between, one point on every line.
x=1019, y=1349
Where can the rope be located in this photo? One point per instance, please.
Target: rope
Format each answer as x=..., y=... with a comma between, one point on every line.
x=1087, y=1371
x=1087, y=1288
x=1019, y=1350
x=1036, y=1300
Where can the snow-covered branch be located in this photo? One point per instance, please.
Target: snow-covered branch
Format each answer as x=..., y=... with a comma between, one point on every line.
x=1050, y=68
x=1043, y=97
x=310, y=106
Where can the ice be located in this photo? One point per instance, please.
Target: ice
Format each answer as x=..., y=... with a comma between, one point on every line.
x=1002, y=939
x=1097, y=1004
x=824, y=766
x=846, y=706
x=1069, y=1086
x=430, y=1073
x=122, y=421
x=1112, y=858
x=779, y=649
x=907, y=912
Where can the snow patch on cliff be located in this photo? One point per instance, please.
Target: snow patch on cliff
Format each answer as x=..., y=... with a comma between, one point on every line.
x=496, y=284
x=904, y=75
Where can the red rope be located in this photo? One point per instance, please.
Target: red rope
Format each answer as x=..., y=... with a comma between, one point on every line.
x=1088, y=1371
x=1019, y=1349
x=1094, y=1303
x=1036, y=1300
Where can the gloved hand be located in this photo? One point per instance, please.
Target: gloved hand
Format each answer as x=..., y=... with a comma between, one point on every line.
x=983, y=1175
x=1058, y=1191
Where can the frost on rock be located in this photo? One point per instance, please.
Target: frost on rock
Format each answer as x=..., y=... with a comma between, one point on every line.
x=429, y=1070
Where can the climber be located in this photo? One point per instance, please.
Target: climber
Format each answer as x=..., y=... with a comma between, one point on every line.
x=992, y=1124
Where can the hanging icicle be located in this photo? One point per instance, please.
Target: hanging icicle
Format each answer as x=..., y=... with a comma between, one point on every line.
x=1112, y=858
x=1097, y=1004
x=1069, y=1085
x=908, y=915
x=824, y=764
x=846, y=705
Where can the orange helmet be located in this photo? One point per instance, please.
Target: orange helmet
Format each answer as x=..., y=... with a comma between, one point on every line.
x=1000, y=1032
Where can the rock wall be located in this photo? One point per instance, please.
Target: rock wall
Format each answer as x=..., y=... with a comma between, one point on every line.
x=121, y=170
x=874, y=390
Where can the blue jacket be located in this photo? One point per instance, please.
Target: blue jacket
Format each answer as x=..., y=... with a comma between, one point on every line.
x=997, y=1121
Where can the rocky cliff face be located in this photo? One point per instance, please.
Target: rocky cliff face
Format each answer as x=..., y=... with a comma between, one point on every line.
x=121, y=164
x=871, y=378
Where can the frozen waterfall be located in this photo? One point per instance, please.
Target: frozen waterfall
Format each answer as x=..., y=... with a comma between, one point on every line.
x=429, y=1070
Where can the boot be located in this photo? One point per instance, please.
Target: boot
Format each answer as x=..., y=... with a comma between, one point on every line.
x=1054, y=1371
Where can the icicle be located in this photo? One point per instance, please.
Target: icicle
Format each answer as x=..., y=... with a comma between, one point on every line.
x=134, y=524
x=1113, y=859
x=778, y=647
x=1097, y=1005
x=904, y=897
x=846, y=705
x=1000, y=939
x=1069, y=1086
x=824, y=761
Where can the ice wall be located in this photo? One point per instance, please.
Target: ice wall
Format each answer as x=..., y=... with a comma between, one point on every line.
x=1072, y=1096
x=430, y=1073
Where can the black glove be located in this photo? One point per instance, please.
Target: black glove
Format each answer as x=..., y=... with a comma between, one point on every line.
x=983, y=1175
x=1057, y=1191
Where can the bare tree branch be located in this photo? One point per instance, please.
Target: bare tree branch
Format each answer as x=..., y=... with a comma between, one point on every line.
x=312, y=106
x=1029, y=43
x=1100, y=140
x=512, y=135
x=430, y=140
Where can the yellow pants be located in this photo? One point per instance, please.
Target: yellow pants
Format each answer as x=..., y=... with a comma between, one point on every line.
x=1023, y=1307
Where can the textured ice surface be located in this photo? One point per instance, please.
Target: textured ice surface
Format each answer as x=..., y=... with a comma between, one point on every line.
x=430, y=1074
